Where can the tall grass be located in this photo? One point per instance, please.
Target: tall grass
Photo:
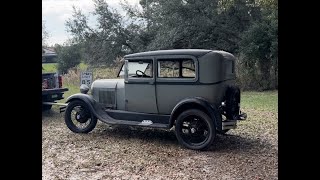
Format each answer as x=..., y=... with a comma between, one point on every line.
x=71, y=80
x=103, y=72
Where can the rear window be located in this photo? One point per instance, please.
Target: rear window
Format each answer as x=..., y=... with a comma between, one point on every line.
x=176, y=68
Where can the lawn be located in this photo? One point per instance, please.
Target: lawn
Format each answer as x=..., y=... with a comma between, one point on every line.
x=49, y=67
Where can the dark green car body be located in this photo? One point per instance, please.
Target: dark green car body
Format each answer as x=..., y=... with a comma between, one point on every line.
x=155, y=87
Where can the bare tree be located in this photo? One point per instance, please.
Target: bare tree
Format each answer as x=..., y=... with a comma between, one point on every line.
x=45, y=34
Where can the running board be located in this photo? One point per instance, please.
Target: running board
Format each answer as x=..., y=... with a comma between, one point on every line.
x=104, y=117
x=137, y=123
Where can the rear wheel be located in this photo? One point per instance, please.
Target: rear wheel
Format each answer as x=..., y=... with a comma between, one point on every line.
x=195, y=129
x=79, y=118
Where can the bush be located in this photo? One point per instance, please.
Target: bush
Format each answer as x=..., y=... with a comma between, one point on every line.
x=67, y=57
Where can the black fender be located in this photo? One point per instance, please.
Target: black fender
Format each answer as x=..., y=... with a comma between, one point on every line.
x=94, y=107
x=197, y=103
x=85, y=98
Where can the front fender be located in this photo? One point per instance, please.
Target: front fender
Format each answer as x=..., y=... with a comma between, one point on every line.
x=83, y=97
x=197, y=102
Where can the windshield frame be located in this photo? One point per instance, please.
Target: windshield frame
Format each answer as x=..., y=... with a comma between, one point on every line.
x=131, y=60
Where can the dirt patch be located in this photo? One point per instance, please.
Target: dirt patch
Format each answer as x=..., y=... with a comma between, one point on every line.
x=248, y=152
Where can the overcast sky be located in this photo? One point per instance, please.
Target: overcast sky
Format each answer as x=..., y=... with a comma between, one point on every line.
x=56, y=12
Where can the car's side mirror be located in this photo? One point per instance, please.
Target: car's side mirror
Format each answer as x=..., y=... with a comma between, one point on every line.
x=126, y=71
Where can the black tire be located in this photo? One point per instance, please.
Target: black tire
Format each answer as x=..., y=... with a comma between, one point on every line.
x=206, y=123
x=84, y=113
x=232, y=103
x=46, y=107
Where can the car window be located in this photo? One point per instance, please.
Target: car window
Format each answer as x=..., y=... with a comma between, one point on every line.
x=188, y=69
x=176, y=68
x=168, y=69
x=138, y=69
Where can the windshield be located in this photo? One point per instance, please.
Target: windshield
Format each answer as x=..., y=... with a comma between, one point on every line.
x=133, y=67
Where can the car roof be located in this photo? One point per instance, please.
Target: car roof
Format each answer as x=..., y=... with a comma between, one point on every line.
x=194, y=52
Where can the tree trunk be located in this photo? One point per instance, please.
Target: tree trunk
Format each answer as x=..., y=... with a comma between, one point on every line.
x=265, y=76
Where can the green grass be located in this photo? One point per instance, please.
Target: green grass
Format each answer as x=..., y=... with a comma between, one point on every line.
x=262, y=112
x=83, y=66
x=72, y=90
x=49, y=68
x=265, y=101
x=52, y=67
x=72, y=79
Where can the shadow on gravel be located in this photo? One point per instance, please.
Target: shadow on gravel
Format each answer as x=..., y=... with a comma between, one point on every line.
x=146, y=134
x=222, y=143
x=235, y=143
x=52, y=113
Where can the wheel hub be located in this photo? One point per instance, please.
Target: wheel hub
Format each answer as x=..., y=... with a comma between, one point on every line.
x=193, y=130
x=81, y=117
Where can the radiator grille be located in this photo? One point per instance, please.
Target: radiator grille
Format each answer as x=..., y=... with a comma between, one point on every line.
x=107, y=97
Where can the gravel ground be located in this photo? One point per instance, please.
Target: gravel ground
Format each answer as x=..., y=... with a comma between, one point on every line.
x=248, y=152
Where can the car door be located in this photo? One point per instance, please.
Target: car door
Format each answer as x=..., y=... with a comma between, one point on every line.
x=175, y=80
x=140, y=87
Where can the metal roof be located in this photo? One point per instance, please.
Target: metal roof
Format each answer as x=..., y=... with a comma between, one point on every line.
x=193, y=52
x=48, y=53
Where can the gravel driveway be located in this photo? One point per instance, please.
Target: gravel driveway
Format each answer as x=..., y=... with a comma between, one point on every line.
x=248, y=152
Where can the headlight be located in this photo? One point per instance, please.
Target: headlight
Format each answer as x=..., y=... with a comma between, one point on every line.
x=84, y=89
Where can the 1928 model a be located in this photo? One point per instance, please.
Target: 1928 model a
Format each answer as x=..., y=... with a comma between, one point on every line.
x=191, y=89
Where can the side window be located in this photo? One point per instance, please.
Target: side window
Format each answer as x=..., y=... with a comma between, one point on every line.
x=140, y=68
x=168, y=69
x=176, y=68
x=188, y=69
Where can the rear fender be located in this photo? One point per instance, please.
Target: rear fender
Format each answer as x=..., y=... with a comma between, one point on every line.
x=197, y=103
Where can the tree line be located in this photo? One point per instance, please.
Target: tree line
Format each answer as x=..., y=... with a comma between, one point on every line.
x=246, y=28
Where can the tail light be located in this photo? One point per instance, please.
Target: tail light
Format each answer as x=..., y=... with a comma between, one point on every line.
x=60, y=81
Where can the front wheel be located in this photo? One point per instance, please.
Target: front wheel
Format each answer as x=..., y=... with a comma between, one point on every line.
x=79, y=118
x=195, y=129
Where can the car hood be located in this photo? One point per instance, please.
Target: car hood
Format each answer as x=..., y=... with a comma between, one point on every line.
x=107, y=84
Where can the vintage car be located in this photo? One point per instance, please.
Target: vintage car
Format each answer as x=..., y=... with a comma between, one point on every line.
x=192, y=90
